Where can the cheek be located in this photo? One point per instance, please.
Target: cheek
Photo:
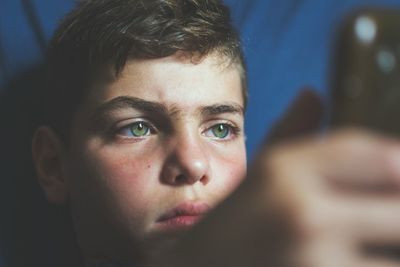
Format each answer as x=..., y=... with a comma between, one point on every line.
x=110, y=194
x=127, y=178
x=127, y=174
x=124, y=171
x=229, y=172
x=235, y=173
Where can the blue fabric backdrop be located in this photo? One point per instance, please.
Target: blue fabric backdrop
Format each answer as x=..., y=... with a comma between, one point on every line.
x=287, y=44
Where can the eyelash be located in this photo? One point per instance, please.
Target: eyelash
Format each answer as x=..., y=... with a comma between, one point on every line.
x=233, y=130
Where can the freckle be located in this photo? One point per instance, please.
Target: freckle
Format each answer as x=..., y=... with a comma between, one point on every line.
x=148, y=166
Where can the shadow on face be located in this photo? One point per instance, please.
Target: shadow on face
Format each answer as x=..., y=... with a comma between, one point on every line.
x=33, y=233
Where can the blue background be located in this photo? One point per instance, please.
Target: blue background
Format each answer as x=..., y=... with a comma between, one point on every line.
x=287, y=43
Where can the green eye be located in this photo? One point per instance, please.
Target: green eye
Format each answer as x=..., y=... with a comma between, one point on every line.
x=139, y=129
x=220, y=130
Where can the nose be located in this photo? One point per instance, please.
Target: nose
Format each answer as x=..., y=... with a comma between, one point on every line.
x=186, y=162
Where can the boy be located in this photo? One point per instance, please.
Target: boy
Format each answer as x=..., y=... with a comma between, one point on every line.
x=147, y=101
x=145, y=136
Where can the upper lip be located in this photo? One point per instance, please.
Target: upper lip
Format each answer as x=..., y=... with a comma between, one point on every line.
x=185, y=209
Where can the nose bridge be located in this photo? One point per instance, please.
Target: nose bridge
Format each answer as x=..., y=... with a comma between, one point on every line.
x=190, y=148
x=188, y=161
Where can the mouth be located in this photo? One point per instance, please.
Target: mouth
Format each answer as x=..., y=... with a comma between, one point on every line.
x=183, y=216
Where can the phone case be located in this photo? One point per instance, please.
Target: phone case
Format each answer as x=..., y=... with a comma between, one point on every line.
x=366, y=74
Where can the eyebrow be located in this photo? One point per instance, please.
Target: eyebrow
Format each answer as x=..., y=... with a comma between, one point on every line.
x=123, y=102
x=222, y=108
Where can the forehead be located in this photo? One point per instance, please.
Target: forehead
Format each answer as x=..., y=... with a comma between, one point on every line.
x=178, y=81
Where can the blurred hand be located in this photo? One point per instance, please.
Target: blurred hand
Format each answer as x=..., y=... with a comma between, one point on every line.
x=340, y=195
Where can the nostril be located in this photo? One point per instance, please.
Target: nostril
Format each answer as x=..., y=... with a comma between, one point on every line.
x=180, y=179
x=204, y=180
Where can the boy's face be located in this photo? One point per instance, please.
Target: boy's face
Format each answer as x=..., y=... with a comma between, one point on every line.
x=153, y=151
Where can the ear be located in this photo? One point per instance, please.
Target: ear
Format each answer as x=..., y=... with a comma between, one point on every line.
x=47, y=152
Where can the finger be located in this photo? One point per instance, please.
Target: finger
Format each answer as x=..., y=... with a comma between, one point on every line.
x=358, y=160
x=347, y=228
x=303, y=117
x=372, y=221
x=326, y=251
x=363, y=219
x=348, y=162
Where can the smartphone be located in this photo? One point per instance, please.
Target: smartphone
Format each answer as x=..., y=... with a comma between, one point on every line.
x=365, y=79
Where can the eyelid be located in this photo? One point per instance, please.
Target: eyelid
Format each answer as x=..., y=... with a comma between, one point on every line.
x=126, y=122
x=210, y=123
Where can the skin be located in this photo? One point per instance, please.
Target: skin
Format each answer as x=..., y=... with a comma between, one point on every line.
x=117, y=184
x=313, y=201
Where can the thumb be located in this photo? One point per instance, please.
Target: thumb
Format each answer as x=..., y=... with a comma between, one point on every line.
x=303, y=117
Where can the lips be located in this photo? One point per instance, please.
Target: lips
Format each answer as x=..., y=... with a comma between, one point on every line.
x=183, y=216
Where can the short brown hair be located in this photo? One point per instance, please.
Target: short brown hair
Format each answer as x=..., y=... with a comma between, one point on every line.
x=102, y=35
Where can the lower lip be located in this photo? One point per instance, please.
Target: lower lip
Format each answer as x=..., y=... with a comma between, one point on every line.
x=179, y=222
